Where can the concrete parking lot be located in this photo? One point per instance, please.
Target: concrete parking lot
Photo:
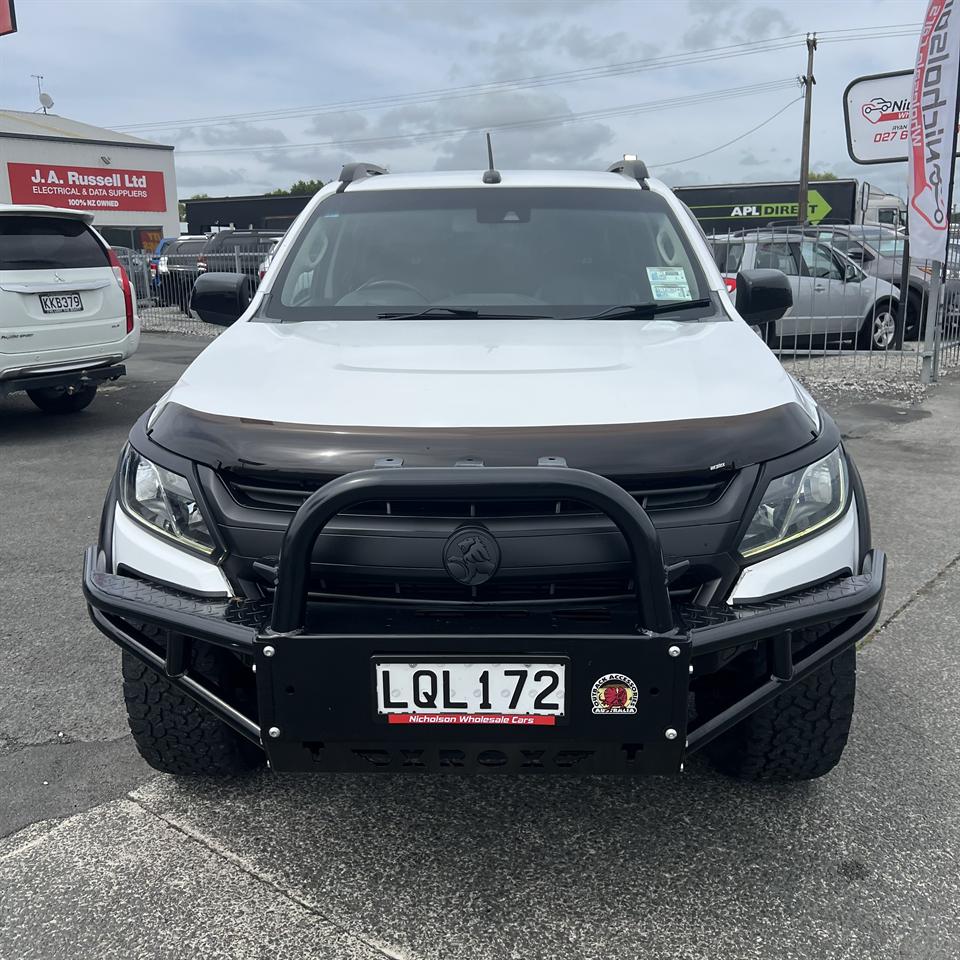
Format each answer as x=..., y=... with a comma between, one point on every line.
x=99, y=857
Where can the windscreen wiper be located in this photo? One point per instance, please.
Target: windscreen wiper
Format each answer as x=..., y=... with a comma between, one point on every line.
x=460, y=313
x=644, y=311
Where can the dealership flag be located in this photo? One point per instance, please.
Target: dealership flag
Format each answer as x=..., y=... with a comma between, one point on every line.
x=933, y=130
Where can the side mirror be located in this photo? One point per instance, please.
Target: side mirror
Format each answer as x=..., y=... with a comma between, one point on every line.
x=221, y=298
x=850, y=274
x=763, y=295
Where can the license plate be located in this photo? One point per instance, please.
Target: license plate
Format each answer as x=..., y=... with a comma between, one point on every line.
x=470, y=693
x=61, y=302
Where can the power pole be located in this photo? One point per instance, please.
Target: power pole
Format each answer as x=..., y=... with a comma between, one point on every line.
x=807, y=83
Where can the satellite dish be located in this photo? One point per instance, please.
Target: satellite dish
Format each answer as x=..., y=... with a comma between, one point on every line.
x=46, y=101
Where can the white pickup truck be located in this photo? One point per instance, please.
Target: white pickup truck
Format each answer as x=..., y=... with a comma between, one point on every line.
x=490, y=475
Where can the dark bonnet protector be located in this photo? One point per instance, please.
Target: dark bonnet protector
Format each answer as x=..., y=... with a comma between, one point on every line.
x=619, y=449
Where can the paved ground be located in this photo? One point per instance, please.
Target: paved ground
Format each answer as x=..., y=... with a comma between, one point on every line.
x=102, y=859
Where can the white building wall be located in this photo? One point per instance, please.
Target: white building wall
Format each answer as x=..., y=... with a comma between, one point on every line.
x=122, y=156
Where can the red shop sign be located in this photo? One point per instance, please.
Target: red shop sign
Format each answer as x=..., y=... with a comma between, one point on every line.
x=87, y=188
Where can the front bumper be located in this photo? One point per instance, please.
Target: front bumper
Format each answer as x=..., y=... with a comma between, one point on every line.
x=312, y=662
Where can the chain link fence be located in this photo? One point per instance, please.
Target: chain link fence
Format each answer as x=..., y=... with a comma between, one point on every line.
x=946, y=347
x=850, y=330
x=164, y=283
x=861, y=312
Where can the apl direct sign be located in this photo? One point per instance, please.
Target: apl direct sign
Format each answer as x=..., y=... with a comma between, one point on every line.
x=87, y=188
x=735, y=206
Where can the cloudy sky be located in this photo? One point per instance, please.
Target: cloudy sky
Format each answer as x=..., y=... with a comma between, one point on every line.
x=258, y=93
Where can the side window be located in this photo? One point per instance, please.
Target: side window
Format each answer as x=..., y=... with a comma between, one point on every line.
x=819, y=262
x=776, y=255
x=728, y=256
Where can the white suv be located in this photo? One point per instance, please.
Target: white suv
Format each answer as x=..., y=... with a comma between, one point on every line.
x=489, y=475
x=67, y=310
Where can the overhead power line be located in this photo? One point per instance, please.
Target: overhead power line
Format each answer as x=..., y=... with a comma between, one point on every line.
x=477, y=89
x=706, y=153
x=651, y=106
x=708, y=55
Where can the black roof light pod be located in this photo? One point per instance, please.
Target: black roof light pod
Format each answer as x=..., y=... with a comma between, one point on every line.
x=358, y=171
x=632, y=168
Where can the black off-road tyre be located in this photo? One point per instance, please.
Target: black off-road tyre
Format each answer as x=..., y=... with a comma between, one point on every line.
x=55, y=400
x=173, y=733
x=799, y=736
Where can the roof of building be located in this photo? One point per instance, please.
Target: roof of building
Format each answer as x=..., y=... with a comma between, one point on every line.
x=264, y=197
x=48, y=126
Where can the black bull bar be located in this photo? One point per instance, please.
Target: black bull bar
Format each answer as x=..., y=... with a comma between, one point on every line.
x=313, y=662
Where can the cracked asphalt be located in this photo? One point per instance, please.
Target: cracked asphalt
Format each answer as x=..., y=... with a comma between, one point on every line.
x=100, y=857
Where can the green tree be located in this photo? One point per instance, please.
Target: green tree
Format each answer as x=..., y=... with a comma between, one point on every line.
x=299, y=189
x=822, y=175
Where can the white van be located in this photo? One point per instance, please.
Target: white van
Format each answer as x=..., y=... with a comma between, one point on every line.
x=67, y=311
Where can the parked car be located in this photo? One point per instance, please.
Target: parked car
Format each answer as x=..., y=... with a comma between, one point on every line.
x=879, y=251
x=834, y=300
x=490, y=475
x=268, y=259
x=67, y=309
x=158, y=252
x=240, y=251
x=137, y=265
x=178, y=268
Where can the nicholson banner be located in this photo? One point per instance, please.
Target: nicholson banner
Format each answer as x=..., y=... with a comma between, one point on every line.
x=87, y=188
x=933, y=130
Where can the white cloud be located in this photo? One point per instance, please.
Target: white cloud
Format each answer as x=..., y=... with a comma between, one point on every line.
x=208, y=176
x=317, y=54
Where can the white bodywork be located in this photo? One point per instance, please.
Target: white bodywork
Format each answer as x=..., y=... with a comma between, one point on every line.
x=32, y=342
x=486, y=373
x=433, y=373
x=145, y=553
x=832, y=552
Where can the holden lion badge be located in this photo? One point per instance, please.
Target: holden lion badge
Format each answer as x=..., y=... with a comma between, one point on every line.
x=614, y=693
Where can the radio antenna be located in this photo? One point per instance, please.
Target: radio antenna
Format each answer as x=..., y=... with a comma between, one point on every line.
x=46, y=101
x=491, y=174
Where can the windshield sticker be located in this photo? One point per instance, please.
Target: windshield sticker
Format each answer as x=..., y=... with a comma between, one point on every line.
x=668, y=283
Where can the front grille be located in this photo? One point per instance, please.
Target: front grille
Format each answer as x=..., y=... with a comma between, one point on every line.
x=494, y=591
x=653, y=494
x=585, y=588
x=357, y=569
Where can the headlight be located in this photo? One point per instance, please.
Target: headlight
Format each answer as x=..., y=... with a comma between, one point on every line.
x=163, y=501
x=797, y=505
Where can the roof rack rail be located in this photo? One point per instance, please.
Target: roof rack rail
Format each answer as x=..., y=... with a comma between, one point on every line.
x=632, y=168
x=358, y=171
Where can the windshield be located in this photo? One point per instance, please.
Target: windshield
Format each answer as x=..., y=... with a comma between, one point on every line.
x=890, y=247
x=880, y=240
x=500, y=250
